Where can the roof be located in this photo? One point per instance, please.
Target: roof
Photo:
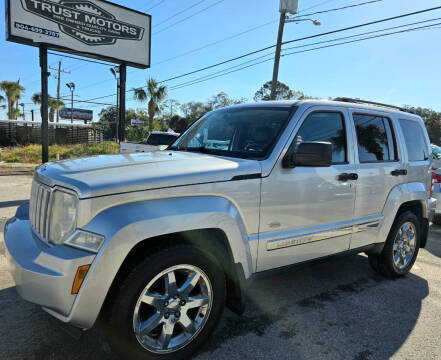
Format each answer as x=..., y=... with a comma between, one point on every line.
x=357, y=104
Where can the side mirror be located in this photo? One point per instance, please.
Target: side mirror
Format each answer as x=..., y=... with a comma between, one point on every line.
x=311, y=154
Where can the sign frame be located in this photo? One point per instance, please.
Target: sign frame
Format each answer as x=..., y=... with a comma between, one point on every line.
x=25, y=41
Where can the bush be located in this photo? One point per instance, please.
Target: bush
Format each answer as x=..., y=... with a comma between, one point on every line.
x=32, y=153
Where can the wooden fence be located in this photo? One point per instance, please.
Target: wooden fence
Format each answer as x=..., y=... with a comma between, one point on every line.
x=14, y=132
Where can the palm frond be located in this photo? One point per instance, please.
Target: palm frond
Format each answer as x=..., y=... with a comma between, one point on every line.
x=139, y=94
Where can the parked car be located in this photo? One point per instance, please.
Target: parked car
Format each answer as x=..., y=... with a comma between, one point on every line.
x=436, y=156
x=158, y=243
x=157, y=140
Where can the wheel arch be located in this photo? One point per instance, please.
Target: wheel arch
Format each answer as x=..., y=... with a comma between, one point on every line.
x=406, y=197
x=131, y=229
x=218, y=247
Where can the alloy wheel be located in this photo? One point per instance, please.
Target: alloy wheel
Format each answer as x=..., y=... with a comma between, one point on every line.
x=172, y=309
x=404, y=245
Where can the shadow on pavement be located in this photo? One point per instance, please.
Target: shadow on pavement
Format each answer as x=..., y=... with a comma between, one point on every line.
x=434, y=242
x=334, y=310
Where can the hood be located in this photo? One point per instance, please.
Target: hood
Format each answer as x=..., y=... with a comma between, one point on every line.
x=109, y=174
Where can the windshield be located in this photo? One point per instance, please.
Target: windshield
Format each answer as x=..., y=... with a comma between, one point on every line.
x=242, y=132
x=436, y=151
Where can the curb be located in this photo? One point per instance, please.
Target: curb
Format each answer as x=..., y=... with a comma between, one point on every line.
x=17, y=169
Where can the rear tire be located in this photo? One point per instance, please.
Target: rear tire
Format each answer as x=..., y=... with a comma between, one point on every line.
x=401, y=248
x=168, y=305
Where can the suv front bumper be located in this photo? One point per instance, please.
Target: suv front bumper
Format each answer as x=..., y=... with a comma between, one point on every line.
x=43, y=274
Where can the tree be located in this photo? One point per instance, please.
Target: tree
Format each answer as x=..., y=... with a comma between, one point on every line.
x=154, y=94
x=2, y=99
x=221, y=100
x=13, y=91
x=109, y=120
x=178, y=123
x=283, y=92
x=53, y=104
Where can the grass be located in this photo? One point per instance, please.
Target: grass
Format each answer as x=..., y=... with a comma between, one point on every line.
x=31, y=154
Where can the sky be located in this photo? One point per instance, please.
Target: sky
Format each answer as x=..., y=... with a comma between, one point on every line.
x=399, y=69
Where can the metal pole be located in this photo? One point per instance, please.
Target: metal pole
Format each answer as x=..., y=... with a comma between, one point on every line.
x=44, y=104
x=72, y=106
x=58, y=88
x=122, y=102
x=277, y=57
x=117, y=107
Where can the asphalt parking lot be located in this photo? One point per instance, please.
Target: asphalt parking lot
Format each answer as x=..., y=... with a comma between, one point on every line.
x=338, y=309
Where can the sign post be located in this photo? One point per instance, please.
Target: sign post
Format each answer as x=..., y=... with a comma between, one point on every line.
x=44, y=105
x=122, y=103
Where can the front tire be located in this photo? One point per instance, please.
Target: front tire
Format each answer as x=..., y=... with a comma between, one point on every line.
x=168, y=305
x=401, y=248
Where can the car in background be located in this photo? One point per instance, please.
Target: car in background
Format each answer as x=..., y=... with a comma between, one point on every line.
x=436, y=156
x=157, y=141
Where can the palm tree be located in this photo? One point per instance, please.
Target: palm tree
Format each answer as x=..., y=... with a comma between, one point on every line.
x=12, y=90
x=2, y=99
x=155, y=94
x=53, y=103
x=54, y=106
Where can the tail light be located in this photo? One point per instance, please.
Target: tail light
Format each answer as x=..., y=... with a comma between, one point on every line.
x=436, y=179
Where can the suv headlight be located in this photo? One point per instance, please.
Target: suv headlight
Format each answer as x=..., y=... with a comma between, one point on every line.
x=63, y=221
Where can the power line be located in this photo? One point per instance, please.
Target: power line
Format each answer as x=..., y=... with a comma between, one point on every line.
x=156, y=5
x=288, y=42
x=188, y=17
x=179, y=12
x=339, y=8
x=208, y=77
x=361, y=34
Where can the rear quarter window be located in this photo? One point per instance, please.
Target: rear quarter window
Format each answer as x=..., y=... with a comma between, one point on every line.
x=415, y=140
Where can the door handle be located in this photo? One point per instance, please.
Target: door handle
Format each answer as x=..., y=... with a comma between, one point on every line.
x=399, y=172
x=346, y=176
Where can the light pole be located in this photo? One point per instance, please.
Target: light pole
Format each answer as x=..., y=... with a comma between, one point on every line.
x=115, y=71
x=23, y=107
x=71, y=87
x=286, y=6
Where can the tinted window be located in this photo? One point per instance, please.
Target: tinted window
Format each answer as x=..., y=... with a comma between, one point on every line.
x=160, y=139
x=328, y=127
x=414, y=138
x=375, y=138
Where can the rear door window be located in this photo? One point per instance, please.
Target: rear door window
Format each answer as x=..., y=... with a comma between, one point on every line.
x=414, y=139
x=375, y=138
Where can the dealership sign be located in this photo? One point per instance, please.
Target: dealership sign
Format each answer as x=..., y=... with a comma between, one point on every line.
x=78, y=114
x=94, y=28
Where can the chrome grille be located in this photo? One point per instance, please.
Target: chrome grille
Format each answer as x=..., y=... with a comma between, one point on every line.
x=39, y=208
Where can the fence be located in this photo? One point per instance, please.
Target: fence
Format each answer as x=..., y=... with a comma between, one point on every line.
x=14, y=132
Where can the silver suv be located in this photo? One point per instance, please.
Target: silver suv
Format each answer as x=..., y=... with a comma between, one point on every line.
x=157, y=243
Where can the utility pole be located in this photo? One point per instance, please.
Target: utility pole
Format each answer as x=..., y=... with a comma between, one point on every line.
x=277, y=56
x=71, y=87
x=58, y=77
x=286, y=7
x=32, y=115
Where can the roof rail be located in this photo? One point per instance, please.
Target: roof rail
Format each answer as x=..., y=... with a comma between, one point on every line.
x=360, y=101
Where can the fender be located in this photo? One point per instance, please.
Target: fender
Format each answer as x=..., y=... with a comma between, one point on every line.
x=399, y=195
x=127, y=225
